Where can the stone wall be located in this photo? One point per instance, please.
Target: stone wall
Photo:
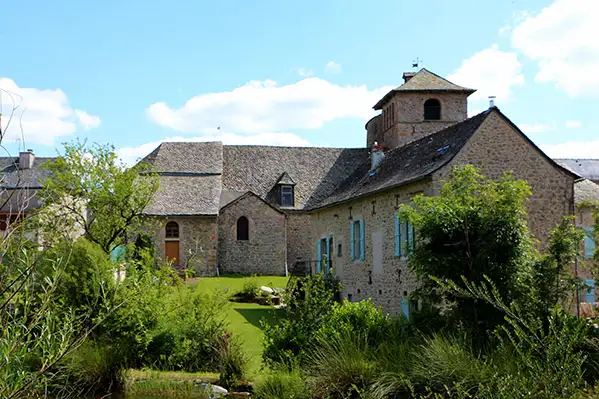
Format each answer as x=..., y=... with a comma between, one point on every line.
x=299, y=239
x=265, y=251
x=197, y=242
x=409, y=116
x=495, y=148
x=385, y=283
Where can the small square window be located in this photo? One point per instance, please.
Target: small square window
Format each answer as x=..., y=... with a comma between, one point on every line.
x=287, y=196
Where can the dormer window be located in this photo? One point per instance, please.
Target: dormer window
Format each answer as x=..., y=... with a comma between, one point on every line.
x=287, y=195
x=432, y=110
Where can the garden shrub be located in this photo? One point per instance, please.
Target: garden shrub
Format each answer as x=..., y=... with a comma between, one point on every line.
x=309, y=303
x=283, y=384
x=232, y=361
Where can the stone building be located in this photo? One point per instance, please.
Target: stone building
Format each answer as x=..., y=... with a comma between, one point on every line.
x=265, y=210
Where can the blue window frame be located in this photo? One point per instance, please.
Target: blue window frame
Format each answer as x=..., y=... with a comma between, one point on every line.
x=356, y=240
x=589, y=242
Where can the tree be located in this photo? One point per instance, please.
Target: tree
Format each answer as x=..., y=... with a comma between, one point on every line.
x=102, y=197
x=476, y=227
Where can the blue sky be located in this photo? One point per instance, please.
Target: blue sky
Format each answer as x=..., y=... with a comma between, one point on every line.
x=133, y=73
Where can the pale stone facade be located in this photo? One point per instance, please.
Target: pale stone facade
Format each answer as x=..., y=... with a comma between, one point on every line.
x=197, y=242
x=265, y=250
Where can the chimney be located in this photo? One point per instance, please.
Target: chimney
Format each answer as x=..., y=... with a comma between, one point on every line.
x=407, y=76
x=491, y=101
x=26, y=159
x=376, y=157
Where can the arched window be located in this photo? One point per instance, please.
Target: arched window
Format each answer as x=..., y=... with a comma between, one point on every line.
x=432, y=110
x=243, y=229
x=172, y=230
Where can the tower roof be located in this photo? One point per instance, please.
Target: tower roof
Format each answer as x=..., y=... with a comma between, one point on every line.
x=424, y=81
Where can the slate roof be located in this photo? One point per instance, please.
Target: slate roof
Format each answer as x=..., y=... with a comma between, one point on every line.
x=188, y=158
x=316, y=171
x=410, y=163
x=13, y=177
x=217, y=175
x=587, y=168
x=585, y=190
x=18, y=186
x=424, y=80
x=186, y=196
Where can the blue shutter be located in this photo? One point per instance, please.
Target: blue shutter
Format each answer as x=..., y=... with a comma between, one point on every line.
x=405, y=307
x=589, y=295
x=361, y=239
x=589, y=242
x=327, y=261
x=319, y=257
x=397, y=235
x=410, y=228
x=352, y=250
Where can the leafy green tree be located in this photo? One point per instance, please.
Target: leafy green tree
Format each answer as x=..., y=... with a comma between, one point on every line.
x=475, y=227
x=103, y=198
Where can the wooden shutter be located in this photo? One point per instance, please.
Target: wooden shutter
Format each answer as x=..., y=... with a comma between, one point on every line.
x=352, y=250
x=361, y=239
x=397, y=225
x=405, y=307
x=589, y=242
x=589, y=295
x=318, y=257
x=410, y=233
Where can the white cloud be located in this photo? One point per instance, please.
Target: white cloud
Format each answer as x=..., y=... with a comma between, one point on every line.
x=492, y=72
x=535, y=128
x=304, y=72
x=87, y=121
x=572, y=149
x=43, y=114
x=562, y=39
x=332, y=67
x=131, y=154
x=573, y=124
x=264, y=106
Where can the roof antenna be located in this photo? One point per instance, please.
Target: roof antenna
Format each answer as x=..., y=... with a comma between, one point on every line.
x=416, y=63
x=492, y=101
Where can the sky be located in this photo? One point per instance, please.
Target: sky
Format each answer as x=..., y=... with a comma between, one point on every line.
x=296, y=73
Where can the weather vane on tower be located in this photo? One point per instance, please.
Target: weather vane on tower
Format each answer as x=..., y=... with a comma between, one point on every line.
x=416, y=63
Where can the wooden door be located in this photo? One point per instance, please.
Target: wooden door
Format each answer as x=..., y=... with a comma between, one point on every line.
x=171, y=249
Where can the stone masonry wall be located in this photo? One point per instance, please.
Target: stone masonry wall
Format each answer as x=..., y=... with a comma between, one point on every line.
x=265, y=251
x=387, y=283
x=496, y=147
x=197, y=243
x=410, y=124
x=299, y=238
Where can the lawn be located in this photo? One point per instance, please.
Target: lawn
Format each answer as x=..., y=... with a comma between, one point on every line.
x=244, y=318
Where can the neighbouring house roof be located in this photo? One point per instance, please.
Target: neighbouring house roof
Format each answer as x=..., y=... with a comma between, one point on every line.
x=418, y=160
x=217, y=175
x=587, y=168
x=13, y=177
x=585, y=190
x=424, y=80
x=18, y=187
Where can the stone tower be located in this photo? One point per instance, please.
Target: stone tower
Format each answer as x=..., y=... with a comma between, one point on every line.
x=424, y=104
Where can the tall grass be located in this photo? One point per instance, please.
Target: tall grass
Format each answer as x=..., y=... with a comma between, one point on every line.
x=283, y=384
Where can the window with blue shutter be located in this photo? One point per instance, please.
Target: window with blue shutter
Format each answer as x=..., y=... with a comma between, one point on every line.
x=361, y=224
x=589, y=294
x=352, y=247
x=405, y=307
x=410, y=234
x=397, y=225
x=319, y=256
x=589, y=242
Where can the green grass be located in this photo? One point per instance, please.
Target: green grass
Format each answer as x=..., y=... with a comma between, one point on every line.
x=244, y=318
